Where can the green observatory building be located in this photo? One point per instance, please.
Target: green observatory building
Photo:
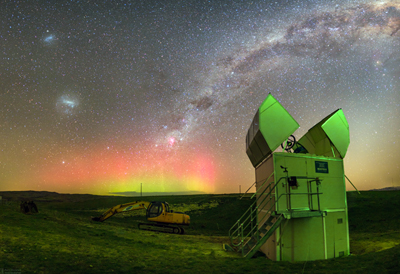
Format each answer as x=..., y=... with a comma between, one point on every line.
x=300, y=208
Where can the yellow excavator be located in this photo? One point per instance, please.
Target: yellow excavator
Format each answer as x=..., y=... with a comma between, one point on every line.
x=158, y=213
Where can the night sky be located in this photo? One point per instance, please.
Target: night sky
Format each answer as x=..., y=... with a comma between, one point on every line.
x=103, y=96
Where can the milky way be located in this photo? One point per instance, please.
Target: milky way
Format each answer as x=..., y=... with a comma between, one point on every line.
x=102, y=97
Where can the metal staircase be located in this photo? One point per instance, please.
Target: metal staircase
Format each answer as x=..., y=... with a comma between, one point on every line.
x=261, y=220
x=250, y=232
x=265, y=231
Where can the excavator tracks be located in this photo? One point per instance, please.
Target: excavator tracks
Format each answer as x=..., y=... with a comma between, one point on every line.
x=159, y=227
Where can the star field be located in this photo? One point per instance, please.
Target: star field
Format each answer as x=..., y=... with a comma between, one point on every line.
x=101, y=97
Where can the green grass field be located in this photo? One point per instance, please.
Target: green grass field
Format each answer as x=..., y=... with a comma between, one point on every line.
x=61, y=238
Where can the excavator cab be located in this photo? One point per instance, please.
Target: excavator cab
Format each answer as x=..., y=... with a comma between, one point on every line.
x=156, y=209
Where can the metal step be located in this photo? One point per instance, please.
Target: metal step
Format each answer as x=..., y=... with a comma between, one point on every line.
x=250, y=250
x=267, y=225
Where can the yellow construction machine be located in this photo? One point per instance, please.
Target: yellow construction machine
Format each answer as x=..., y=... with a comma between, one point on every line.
x=158, y=213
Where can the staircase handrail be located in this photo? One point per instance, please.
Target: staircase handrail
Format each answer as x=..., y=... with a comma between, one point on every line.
x=253, y=217
x=268, y=213
x=263, y=184
x=247, y=190
x=243, y=222
x=246, y=213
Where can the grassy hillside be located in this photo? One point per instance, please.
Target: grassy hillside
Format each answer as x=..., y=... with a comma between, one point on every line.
x=61, y=238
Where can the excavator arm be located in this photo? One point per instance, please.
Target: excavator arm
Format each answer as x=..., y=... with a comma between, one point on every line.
x=122, y=208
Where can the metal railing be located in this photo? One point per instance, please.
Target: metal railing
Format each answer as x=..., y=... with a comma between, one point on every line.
x=241, y=197
x=248, y=225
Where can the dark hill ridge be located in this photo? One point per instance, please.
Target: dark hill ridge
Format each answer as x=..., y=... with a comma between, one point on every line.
x=392, y=188
x=48, y=196
x=44, y=196
x=138, y=194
